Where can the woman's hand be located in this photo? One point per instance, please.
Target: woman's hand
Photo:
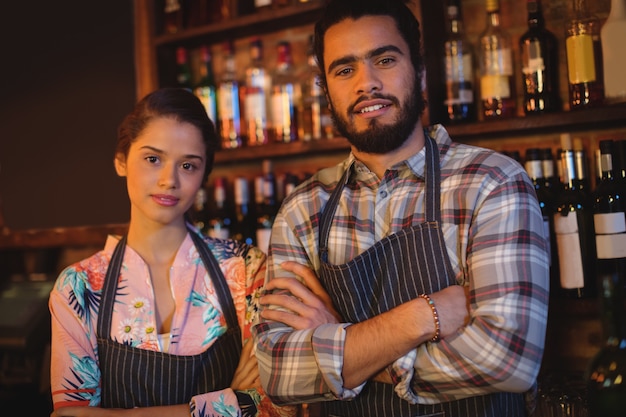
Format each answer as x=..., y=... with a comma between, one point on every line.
x=247, y=372
x=307, y=303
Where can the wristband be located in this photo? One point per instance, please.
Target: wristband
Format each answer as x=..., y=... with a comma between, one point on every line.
x=431, y=304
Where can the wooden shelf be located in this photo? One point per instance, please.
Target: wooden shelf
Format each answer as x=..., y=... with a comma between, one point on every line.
x=249, y=25
x=59, y=237
x=606, y=117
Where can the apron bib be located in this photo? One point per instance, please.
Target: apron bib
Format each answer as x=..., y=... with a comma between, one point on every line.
x=133, y=377
x=393, y=271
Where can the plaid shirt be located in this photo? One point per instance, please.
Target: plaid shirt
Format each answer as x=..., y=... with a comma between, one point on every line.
x=493, y=229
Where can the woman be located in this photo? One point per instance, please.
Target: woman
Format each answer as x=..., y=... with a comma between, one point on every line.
x=155, y=323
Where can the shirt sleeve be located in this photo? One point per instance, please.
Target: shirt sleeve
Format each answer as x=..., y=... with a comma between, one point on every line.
x=74, y=371
x=507, y=271
x=253, y=402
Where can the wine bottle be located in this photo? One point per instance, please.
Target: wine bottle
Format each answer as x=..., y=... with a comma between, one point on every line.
x=540, y=67
x=268, y=209
x=497, y=89
x=244, y=225
x=315, y=120
x=459, y=68
x=606, y=390
x=573, y=226
x=257, y=90
x=220, y=222
x=534, y=167
x=612, y=34
x=584, y=58
x=206, y=90
x=286, y=97
x=183, y=73
x=229, y=112
x=172, y=16
x=199, y=211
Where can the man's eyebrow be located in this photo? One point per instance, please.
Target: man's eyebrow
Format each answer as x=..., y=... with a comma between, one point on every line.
x=353, y=58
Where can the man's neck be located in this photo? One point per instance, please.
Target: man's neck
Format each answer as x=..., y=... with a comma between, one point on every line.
x=379, y=163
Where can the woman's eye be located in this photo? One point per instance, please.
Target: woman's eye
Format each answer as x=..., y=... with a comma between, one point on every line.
x=188, y=166
x=152, y=159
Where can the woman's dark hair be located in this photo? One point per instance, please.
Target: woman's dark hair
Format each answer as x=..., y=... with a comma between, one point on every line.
x=408, y=26
x=177, y=103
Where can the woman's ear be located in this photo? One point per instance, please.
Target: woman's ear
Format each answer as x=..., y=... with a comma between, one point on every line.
x=120, y=164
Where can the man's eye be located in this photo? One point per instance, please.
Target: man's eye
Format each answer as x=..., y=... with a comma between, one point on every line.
x=344, y=71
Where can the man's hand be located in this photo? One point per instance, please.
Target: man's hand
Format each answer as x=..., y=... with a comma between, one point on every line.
x=308, y=305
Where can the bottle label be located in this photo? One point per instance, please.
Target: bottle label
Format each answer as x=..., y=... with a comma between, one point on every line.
x=499, y=61
x=459, y=68
x=226, y=101
x=532, y=59
x=255, y=107
x=610, y=231
x=263, y=239
x=581, y=66
x=282, y=102
x=262, y=3
x=570, y=254
x=494, y=86
x=207, y=97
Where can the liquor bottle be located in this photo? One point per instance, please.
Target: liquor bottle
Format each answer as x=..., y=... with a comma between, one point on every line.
x=459, y=68
x=199, y=211
x=606, y=391
x=286, y=97
x=584, y=58
x=183, y=72
x=612, y=34
x=172, y=16
x=205, y=89
x=244, y=225
x=257, y=92
x=315, y=120
x=262, y=5
x=497, y=89
x=220, y=222
x=573, y=226
x=550, y=173
x=229, y=112
x=534, y=167
x=540, y=67
x=268, y=209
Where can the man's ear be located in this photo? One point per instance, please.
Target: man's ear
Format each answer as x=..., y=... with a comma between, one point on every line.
x=120, y=164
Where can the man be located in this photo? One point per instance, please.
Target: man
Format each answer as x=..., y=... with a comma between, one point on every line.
x=395, y=233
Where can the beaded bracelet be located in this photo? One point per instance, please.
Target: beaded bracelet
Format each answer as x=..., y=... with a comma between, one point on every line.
x=431, y=304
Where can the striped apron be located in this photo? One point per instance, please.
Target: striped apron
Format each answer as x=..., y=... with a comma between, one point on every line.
x=393, y=271
x=133, y=377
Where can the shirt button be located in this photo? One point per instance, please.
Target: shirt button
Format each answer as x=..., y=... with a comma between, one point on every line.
x=383, y=194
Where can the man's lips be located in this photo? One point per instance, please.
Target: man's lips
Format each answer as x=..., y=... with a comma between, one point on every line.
x=369, y=106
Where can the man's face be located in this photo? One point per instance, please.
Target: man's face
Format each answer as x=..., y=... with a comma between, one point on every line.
x=371, y=83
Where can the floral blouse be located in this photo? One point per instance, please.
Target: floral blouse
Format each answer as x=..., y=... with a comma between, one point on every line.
x=196, y=324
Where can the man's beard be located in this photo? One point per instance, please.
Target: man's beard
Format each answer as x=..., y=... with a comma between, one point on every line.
x=381, y=138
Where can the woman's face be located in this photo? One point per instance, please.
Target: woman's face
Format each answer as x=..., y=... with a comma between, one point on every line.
x=164, y=170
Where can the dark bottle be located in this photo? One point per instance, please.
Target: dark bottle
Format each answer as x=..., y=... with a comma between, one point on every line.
x=573, y=226
x=584, y=58
x=534, y=167
x=244, y=227
x=497, y=87
x=220, y=221
x=606, y=390
x=206, y=90
x=268, y=208
x=229, y=110
x=183, y=69
x=459, y=68
x=172, y=16
x=315, y=121
x=199, y=212
x=549, y=170
x=540, y=67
